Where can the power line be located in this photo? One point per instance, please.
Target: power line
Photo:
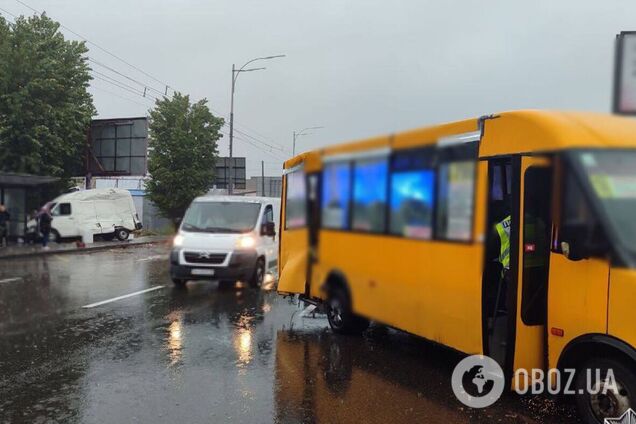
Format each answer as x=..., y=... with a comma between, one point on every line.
x=123, y=87
x=117, y=95
x=101, y=48
x=132, y=90
x=125, y=76
x=8, y=13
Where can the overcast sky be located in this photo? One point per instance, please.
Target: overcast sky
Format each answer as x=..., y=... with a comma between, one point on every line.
x=357, y=67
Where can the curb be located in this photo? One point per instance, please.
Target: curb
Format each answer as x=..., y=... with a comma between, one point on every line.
x=83, y=249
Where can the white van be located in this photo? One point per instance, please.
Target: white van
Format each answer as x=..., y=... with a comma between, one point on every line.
x=227, y=238
x=107, y=212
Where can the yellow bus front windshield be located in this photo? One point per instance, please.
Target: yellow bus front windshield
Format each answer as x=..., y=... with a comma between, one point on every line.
x=612, y=176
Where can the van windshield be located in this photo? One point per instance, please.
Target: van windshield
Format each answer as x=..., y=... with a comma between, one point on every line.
x=221, y=217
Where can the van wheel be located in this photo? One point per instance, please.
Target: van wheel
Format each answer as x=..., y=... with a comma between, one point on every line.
x=610, y=401
x=179, y=282
x=55, y=237
x=259, y=274
x=122, y=234
x=340, y=315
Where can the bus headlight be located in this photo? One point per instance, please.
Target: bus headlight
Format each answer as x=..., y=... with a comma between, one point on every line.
x=246, y=242
x=177, y=241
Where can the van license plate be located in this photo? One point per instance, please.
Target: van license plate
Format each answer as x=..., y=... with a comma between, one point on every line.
x=198, y=271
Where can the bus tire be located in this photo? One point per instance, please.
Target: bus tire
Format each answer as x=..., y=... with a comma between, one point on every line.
x=594, y=408
x=340, y=315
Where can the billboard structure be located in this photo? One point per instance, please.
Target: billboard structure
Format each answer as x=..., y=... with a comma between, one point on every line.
x=624, y=101
x=222, y=173
x=118, y=147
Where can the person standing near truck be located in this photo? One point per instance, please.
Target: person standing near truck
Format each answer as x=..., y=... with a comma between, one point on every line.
x=44, y=224
x=4, y=225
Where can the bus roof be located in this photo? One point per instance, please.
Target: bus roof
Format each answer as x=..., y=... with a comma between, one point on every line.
x=506, y=133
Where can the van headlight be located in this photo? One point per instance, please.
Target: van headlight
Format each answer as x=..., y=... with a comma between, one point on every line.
x=246, y=242
x=177, y=241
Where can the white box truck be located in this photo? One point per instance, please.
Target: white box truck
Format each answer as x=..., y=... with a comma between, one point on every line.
x=106, y=213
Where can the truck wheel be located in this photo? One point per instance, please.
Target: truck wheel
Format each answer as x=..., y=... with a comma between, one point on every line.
x=122, y=234
x=606, y=403
x=259, y=274
x=340, y=315
x=54, y=236
x=179, y=282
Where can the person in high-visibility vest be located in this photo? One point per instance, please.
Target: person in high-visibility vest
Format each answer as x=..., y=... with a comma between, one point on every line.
x=503, y=231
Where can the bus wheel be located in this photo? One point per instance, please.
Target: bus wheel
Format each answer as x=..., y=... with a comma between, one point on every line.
x=341, y=318
x=603, y=396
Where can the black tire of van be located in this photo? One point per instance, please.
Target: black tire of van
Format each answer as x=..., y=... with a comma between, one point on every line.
x=54, y=236
x=122, y=234
x=593, y=409
x=179, y=282
x=259, y=274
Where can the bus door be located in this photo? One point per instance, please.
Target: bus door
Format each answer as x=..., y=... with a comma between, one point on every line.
x=294, y=240
x=515, y=292
x=536, y=189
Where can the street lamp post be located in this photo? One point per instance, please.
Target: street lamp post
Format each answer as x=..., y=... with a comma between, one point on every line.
x=298, y=134
x=235, y=74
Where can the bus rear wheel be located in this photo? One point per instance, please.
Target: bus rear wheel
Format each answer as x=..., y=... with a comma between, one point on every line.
x=340, y=315
x=610, y=397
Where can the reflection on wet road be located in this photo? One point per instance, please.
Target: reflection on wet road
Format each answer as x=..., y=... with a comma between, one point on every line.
x=207, y=354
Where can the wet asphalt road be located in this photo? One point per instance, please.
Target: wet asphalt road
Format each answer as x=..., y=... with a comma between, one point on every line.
x=207, y=354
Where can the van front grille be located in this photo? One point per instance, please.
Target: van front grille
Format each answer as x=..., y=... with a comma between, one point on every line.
x=204, y=257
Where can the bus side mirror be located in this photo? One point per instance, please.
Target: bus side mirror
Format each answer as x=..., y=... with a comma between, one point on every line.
x=580, y=241
x=269, y=229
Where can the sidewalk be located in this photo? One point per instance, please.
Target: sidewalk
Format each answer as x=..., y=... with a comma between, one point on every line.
x=26, y=250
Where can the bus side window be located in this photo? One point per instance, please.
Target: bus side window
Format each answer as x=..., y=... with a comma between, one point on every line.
x=412, y=194
x=295, y=200
x=454, y=215
x=537, y=205
x=369, y=195
x=336, y=192
x=578, y=219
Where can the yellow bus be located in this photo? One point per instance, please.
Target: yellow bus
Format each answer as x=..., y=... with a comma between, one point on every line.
x=402, y=230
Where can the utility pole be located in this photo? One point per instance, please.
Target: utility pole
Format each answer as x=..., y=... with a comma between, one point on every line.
x=230, y=179
x=262, y=178
x=235, y=74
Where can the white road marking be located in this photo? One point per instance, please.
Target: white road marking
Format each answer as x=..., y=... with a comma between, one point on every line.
x=114, y=299
x=9, y=280
x=152, y=258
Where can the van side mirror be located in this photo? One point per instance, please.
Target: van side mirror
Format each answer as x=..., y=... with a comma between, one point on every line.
x=269, y=229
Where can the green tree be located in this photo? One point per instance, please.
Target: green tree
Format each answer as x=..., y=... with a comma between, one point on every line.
x=45, y=108
x=182, y=154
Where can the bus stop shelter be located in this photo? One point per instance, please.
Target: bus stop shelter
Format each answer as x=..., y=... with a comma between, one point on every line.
x=14, y=191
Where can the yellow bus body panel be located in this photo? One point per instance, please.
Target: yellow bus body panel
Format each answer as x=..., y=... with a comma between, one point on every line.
x=622, y=304
x=577, y=300
x=293, y=261
x=432, y=289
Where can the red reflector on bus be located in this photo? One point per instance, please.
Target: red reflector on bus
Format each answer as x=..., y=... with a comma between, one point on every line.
x=557, y=332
